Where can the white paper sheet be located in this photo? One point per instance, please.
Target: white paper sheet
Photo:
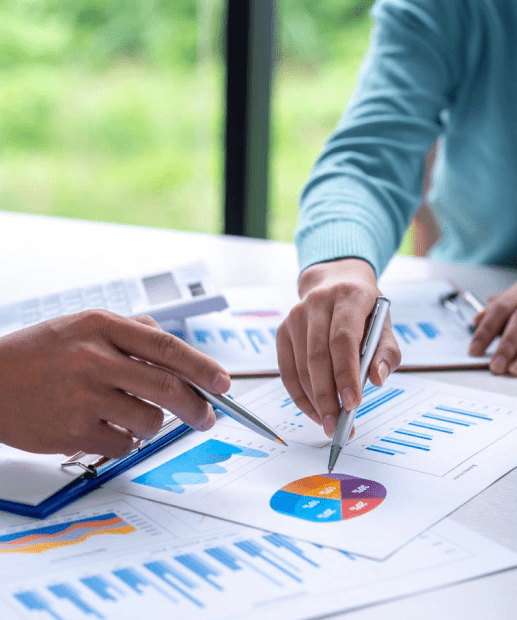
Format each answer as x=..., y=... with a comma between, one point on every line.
x=243, y=338
x=113, y=557
x=422, y=449
x=30, y=478
x=429, y=335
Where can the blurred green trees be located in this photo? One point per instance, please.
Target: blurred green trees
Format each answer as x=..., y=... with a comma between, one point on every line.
x=113, y=109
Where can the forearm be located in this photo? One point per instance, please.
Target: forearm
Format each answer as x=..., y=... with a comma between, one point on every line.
x=367, y=182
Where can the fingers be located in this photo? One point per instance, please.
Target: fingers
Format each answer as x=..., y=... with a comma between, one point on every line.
x=387, y=358
x=346, y=333
x=107, y=440
x=503, y=359
x=499, y=317
x=163, y=388
x=490, y=325
x=297, y=327
x=318, y=352
x=320, y=365
x=142, y=419
x=289, y=374
x=163, y=349
x=146, y=320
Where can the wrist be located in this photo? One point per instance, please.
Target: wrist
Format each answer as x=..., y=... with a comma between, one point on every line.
x=345, y=268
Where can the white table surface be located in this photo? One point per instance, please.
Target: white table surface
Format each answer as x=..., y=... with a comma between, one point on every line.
x=40, y=255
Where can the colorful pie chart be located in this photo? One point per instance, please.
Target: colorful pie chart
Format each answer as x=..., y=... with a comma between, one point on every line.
x=328, y=497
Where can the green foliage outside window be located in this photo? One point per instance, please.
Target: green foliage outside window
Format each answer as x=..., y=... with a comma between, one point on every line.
x=113, y=109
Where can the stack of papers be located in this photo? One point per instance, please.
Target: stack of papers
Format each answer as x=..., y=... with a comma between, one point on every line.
x=225, y=525
x=113, y=556
x=421, y=449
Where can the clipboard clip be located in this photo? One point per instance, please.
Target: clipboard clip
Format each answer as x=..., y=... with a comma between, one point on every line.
x=93, y=469
x=464, y=305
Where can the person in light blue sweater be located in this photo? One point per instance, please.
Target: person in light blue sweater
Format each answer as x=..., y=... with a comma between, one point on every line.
x=434, y=68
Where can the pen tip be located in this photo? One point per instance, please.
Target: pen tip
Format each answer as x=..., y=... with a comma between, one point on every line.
x=330, y=470
x=281, y=441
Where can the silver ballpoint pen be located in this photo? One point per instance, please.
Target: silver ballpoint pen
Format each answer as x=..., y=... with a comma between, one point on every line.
x=371, y=342
x=238, y=412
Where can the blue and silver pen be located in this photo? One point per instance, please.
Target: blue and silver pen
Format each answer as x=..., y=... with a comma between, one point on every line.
x=238, y=412
x=371, y=342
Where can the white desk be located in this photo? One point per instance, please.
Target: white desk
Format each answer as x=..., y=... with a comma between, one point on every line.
x=39, y=255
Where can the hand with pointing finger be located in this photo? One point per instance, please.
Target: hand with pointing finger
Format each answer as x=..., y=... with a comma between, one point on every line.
x=83, y=382
x=318, y=344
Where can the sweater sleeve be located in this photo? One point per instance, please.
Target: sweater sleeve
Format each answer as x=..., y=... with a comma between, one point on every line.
x=367, y=182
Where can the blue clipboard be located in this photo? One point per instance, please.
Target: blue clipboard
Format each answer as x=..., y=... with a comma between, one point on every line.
x=87, y=483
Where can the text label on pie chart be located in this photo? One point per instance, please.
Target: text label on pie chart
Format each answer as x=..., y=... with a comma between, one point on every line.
x=328, y=497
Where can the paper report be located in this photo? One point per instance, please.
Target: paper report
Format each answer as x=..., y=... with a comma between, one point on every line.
x=112, y=556
x=421, y=449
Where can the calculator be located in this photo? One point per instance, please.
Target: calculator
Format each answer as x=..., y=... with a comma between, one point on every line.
x=171, y=295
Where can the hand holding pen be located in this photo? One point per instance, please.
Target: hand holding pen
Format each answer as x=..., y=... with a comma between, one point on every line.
x=319, y=342
x=238, y=412
x=371, y=342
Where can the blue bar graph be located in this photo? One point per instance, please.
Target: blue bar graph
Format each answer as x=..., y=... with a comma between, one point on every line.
x=256, y=338
x=432, y=427
x=369, y=388
x=407, y=444
x=376, y=402
x=429, y=329
x=411, y=434
x=254, y=549
x=382, y=451
x=471, y=414
x=137, y=582
x=234, y=562
x=163, y=570
x=263, y=558
x=442, y=418
x=229, y=335
x=409, y=333
x=416, y=429
x=32, y=601
x=405, y=332
x=200, y=567
x=282, y=541
x=68, y=592
x=204, y=335
x=101, y=587
x=222, y=555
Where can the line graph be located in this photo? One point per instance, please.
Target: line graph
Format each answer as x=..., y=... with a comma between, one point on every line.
x=42, y=539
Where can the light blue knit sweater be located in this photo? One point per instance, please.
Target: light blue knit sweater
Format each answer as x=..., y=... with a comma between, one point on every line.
x=434, y=67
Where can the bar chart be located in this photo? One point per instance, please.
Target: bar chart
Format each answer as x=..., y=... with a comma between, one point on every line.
x=218, y=579
x=436, y=433
x=410, y=332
